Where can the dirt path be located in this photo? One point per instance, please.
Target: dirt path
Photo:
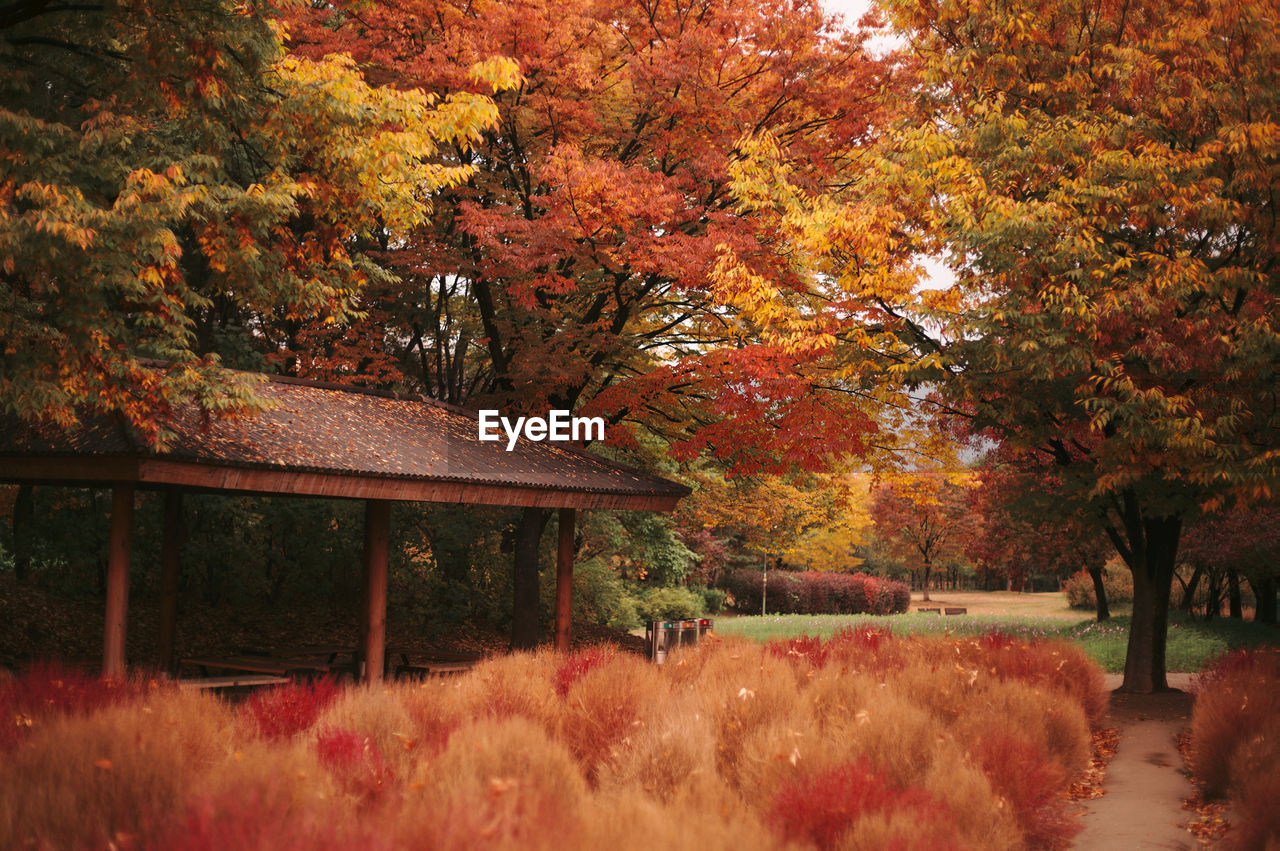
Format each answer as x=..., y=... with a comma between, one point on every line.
x=1145, y=787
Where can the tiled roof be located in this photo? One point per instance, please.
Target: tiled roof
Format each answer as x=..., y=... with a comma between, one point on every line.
x=344, y=431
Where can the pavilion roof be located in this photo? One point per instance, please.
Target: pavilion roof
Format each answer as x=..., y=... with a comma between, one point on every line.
x=332, y=440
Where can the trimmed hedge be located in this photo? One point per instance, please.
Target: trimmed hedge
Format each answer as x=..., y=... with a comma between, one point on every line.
x=817, y=593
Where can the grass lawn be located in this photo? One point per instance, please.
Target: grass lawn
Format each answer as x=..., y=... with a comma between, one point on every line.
x=1191, y=643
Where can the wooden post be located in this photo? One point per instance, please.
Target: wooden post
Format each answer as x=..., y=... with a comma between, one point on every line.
x=118, y=580
x=377, y=531
x=167, y=628
x=564, y=579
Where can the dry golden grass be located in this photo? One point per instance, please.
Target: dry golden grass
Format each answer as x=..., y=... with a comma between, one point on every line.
x=860, y=742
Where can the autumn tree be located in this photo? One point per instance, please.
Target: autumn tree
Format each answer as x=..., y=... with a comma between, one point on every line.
x=814, y=519
x=1021, y=531
x=572, y=270
x=1102, y=177
x=1239, y=544
x=164, y=164
x=923, y=516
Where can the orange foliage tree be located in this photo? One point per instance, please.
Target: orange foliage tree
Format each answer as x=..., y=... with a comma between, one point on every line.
x=923, y=516
x=572, y=269
x=167, y=162
x=1102, y=177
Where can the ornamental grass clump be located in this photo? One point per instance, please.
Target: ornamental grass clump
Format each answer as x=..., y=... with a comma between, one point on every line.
x=863, y=741
x=1235, y=741
x=288, y=710
x=106, y=776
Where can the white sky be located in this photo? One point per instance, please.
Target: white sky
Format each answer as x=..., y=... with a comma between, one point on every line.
x=937, y=275
x=851, y=9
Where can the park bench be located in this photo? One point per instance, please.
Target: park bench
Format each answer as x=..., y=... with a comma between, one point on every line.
x=956, y=610
x=433, y=669
x=417, y=662
x=232, y=682
x=397, y=660
x=256, y=664
x=930, y=611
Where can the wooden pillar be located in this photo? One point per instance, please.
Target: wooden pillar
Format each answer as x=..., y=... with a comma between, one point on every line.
x=377, y=531
x=564, y=579
x=167, y=629
x=118, y=580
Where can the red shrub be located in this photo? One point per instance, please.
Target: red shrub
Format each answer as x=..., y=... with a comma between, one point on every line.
x=821, y=808
x=572, y=668
x=281, y=712
x=817, y=593
x=1049, y=664
x=862, y=638
x=997, y=640
x=249, y=822
x=354, y=761
x=1032, y=783
x=1237, y=699
x=47, y=690
x=806, y=648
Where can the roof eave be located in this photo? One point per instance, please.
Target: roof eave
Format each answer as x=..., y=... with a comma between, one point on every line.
x=161, y=473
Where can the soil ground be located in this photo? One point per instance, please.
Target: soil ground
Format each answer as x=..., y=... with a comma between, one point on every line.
x=1049, y=604
x=1145, y=784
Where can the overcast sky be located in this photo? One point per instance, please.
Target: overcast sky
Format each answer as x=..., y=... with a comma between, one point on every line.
x=851, y=9
x=938, y=274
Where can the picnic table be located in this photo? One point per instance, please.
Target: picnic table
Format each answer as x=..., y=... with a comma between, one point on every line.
x=398, y=659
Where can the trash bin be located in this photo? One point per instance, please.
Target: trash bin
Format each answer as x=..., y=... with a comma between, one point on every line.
x=665, y=636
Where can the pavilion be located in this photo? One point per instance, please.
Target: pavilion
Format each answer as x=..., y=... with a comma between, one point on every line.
x=321, y=440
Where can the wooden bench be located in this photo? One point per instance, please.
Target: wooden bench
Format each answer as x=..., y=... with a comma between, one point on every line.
x=930, y=611
x=956, y=610
x=243, y=681
x=256, y=665
x=432, y=669
x=428, y=662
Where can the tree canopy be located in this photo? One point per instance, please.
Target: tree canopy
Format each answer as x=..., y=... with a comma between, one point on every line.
x=1102, y=179
x=167, y=162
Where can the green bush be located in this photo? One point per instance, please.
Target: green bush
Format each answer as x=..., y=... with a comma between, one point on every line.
x=598, y=593
x=713, y=600
x=1117, y=581
x=669, y=604
x=627, y=617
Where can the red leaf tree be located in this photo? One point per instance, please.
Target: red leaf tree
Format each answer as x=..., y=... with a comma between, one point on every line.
x=924, y=517
x=573, y=270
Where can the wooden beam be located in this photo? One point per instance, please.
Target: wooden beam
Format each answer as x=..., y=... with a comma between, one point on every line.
x=167, y=629
x=113, y=662
x=377, y=532
x=155, y=472
x=564, y=579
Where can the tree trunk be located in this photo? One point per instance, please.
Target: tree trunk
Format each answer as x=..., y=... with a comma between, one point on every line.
x=927, y=569
x=24, y=515
x=1189, y=594
x=525, y=605
x=1149, y=547
x=1264, y=594
x=1100, y=593
x=1213, y=596
x=1233, y=595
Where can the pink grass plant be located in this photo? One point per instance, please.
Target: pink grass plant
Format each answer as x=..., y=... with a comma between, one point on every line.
x=865, y=740
x=288, y=710
x=822, y=808
x=48, y=690
x=1235, y=741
